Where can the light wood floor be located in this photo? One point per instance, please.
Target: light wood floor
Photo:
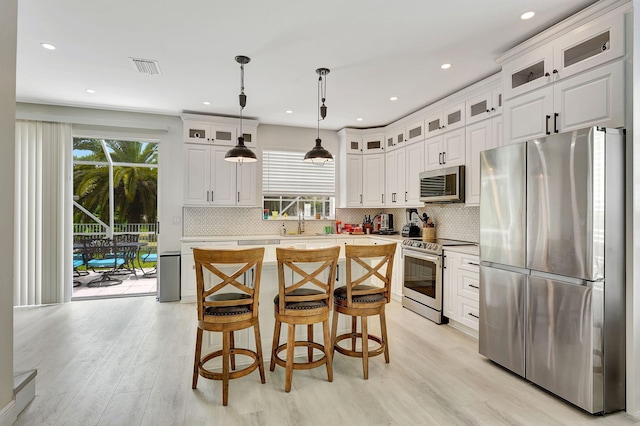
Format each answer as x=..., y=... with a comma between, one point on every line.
x=129, y=362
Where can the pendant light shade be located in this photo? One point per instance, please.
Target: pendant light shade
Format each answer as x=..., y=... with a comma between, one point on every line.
x=318, y=154
x=240, y=153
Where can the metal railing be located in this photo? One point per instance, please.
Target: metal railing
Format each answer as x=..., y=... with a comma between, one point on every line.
x=147, y=231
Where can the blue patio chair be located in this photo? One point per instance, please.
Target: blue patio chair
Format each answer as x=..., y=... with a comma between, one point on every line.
x=104, y=258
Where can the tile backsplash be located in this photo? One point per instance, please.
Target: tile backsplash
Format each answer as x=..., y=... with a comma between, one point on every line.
x=454, y=221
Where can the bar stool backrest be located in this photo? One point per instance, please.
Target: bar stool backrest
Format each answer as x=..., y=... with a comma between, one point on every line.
x=321, y=278
x=376, y=264
x=214, y=261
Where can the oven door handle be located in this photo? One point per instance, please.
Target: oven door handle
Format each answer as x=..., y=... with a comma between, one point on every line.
x=419, y=255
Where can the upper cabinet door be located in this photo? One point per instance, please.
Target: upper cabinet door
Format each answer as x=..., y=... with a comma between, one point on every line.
x=373, y=180
x=528, y=72
x=247, y=179
x=433, y=124
x=528, y=116
x=224, y=135
x=453, y=148
x=600, y=41
x=373, y=144
x=197, y=132
x=595, y=97
x=454, y=117
x=354, y=144
x=414, y=160
x=415, y=132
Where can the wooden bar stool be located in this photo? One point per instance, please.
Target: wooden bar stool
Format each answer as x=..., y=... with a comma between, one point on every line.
x=297, y=304
x=365, y=295
x=223, y=311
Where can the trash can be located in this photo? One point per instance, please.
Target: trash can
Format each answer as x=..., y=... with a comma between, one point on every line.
x=169, y=277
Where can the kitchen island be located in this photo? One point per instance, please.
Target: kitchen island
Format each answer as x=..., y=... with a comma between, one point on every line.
x=269, y=280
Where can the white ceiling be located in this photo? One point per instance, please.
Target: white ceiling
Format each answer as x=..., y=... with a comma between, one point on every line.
x=375, y=49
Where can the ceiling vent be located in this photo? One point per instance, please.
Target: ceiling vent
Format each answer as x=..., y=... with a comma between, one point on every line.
x=146, y=66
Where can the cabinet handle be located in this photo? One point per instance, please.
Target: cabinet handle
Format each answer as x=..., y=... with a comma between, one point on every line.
x=547, y=125
x=473, y=263
x=444, y=158
x=405, y=197
x=473, y=315
x=488, y=110
x=382, y=198
x=546, y=74
x=555, y=71
x=207, y=196
x=337, y=272
x=493, y=109
x=439, y=158
x=360, y=198
x=474, y=286
x=238, y=196
x=555, y=122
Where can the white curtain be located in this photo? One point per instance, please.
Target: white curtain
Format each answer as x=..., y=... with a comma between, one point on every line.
x=43, y=216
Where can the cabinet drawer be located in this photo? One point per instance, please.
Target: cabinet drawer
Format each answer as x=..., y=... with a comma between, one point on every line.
x=468, y=284
x=187, y=248
x=468, y=312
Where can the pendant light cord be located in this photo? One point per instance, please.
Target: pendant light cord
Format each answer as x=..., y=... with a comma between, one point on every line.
x=241, y=93
x=319, y=89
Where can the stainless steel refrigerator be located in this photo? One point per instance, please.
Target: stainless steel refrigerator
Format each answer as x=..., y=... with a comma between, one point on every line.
x=552, y=254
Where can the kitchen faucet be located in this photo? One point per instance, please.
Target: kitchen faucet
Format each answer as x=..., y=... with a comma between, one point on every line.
x=300, y=223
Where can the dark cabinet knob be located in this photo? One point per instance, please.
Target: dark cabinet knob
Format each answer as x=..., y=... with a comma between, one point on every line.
x=555, y=71
x=546, y=74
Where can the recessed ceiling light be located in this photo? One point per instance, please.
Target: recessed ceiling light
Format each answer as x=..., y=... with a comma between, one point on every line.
x=206, y=103
x=48, y=46
x=289, y=111
x=359, y=119
x=527, y=15
x=393, y=98
x=90, y=91
x=445, y=66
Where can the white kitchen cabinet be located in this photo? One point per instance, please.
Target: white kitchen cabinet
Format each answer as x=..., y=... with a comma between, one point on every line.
x=447, y=150
x=594, y=97
x=414, y=165
x=445, y=119
x=461, y=288
x=353, y=181
x=210, y=180
x=353, y=144
x=449, y=286
x=415, y=131
x=372, y=144
x=395, y=181
x=484, y=105
x=209, y=133
x=373, y=180
x=599, y=41
x=395, y=139
x=479, y=137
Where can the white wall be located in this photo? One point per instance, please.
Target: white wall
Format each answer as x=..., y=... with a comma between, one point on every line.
x=8, y=31
x=166, y=129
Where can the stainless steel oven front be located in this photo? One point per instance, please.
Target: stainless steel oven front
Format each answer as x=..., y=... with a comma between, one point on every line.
x=422, y=284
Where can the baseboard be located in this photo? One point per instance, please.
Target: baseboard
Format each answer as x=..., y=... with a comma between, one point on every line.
x=24, y=390
x=8, y=415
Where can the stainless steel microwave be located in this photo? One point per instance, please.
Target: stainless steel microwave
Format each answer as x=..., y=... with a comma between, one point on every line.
x=442, y=185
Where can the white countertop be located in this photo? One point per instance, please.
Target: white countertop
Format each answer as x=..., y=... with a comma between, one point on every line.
x=474, y=249
x=284, y=238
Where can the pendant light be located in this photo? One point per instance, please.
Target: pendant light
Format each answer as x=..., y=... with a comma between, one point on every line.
x=317, y=154
x=240, y=153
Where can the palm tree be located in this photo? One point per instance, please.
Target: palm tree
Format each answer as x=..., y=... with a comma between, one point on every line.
x=135, y=188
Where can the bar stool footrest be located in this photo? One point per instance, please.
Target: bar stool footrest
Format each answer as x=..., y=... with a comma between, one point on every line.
x=208, y=374
x=302, y=365
x=358, y=354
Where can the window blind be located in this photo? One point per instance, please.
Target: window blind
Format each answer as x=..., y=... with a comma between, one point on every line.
x=285, y=173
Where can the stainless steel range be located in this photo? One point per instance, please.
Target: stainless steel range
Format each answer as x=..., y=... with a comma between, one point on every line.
x=422, y=280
